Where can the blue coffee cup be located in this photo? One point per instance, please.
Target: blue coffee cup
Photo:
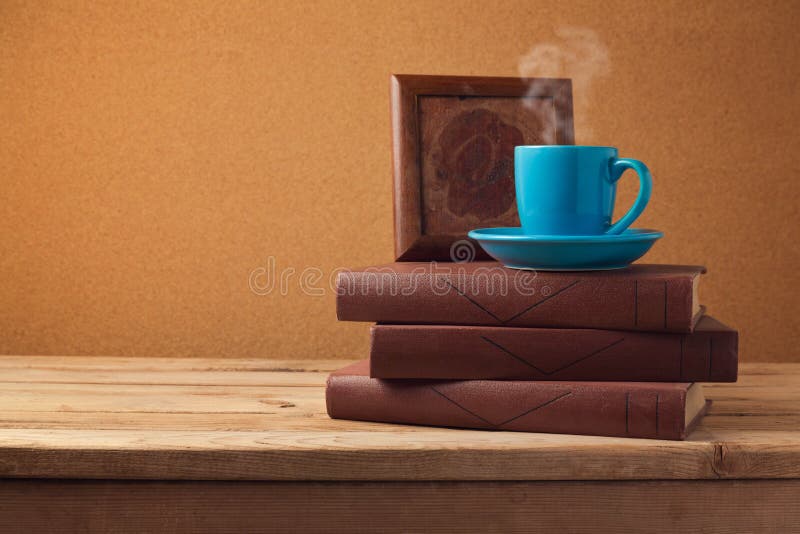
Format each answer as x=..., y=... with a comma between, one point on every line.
x=570, y=190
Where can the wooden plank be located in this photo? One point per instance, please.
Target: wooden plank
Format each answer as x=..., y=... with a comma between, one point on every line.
x=430, y=454
x=347, y=454
x=748, y=371
x=509, y=507
x=204, y=371
x=769, y=368
x=745, y=407
x=122, y=364
x=285, y=377
x=142, y=398
x=312, y=419
x=761, y=392
x=217, y=399
x=163, y=378
x=256, y=364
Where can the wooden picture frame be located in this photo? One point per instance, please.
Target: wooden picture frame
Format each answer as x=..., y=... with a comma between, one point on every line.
x=453, y=139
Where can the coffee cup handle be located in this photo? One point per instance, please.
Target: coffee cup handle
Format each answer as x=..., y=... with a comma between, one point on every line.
x=619, y=166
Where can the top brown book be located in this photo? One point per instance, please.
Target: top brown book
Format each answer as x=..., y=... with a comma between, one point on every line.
x=657, y=298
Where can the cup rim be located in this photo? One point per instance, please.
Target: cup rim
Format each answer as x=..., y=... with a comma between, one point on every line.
x=566, y=146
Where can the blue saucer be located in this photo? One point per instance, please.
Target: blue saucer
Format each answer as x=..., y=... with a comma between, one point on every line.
x=565, y=253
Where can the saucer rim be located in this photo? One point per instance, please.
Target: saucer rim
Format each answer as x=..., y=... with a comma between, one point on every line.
x=642, y=234
x=615, y=267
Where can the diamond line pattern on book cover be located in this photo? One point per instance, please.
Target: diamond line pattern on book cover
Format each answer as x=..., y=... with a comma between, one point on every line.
x=554, y=371
x=516, y=315
x=500, y=424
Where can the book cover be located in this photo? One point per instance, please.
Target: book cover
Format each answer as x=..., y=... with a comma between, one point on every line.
x=709, y=354
x=640, y=297
x=625, y=409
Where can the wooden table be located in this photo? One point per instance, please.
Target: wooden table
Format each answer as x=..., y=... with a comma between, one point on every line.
x=134, y=445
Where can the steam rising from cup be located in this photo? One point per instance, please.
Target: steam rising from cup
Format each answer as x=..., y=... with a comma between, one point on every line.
x=578, y=54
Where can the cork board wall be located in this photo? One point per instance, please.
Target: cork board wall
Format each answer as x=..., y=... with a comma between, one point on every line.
x=159, y=162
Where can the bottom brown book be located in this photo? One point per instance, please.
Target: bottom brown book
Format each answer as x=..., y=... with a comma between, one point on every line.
x=659, y=410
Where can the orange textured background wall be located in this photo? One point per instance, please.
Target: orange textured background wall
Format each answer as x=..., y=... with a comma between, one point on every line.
x=152, y=157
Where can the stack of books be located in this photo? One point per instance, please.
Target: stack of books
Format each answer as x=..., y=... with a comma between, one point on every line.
x=479, y=345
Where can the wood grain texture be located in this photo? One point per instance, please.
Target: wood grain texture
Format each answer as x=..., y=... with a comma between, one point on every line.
x=509, y=507
x=453, y=141
x=205, y=419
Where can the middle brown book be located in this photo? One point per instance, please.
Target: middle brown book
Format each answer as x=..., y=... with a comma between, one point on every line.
x=709, y=354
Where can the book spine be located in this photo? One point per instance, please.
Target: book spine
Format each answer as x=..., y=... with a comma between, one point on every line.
x=605, y=409
x=616, y=303
x=451, y=352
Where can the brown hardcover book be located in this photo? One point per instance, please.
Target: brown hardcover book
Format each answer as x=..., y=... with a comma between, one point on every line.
x=639, y=297
x=709, y=354
x=626, y=409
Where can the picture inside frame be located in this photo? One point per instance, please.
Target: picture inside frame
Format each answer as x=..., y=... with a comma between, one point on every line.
x=467, y=157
